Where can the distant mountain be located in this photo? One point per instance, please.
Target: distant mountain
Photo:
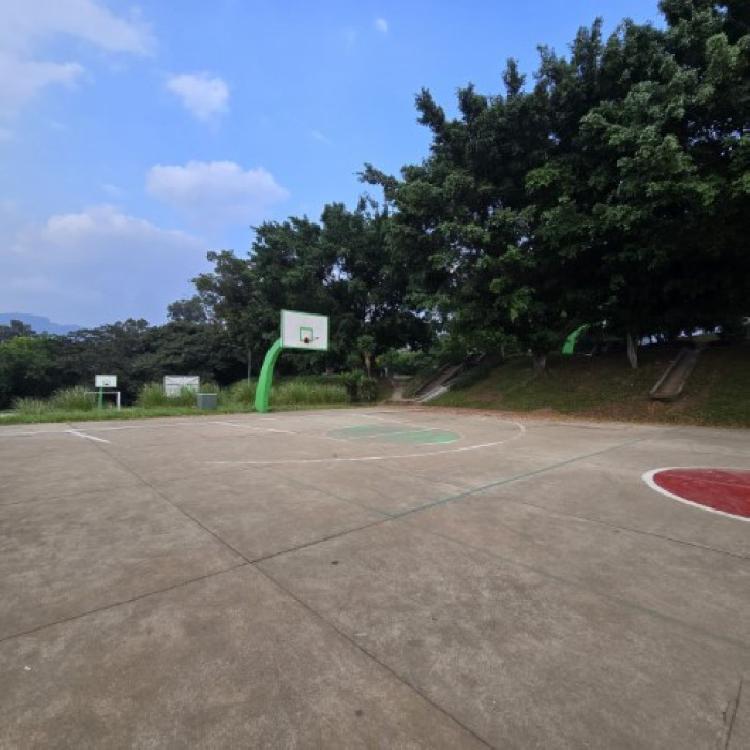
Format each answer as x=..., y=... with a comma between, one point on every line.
x=38, y=323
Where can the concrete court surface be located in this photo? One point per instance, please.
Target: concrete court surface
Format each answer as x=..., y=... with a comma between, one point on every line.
x=369, y=578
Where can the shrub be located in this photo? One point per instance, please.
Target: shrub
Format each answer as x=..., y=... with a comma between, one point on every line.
x=350, y=381
x=73, y=399
x=360, y=388
x=241, y=392
x=31, y=406
x=152, y=396
x=300, y=393
x=368, y=389
x=404, y=361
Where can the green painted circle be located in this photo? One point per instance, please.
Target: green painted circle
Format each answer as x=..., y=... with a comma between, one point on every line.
x=391, y=433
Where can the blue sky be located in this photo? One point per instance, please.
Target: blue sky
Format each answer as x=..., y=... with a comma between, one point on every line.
x=135, y=138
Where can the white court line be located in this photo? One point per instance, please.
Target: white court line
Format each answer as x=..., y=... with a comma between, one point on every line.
x=648, y=478
x=30, y=433
x=90, y=427
x=521, y=431
x=402, y=432
x=80, y=434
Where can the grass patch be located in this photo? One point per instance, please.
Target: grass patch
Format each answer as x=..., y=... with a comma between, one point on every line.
x=128, y=412
x=73, y=399
x=604, y=387
x=31, y=407
x=307, y=393
x=241, y=392
x=72, y=405
x=153, y=396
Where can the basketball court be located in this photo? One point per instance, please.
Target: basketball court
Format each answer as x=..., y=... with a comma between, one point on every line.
x=375, y=577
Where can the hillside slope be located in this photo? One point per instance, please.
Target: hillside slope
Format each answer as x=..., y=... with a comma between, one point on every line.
x=604, y=387
x=38, y=323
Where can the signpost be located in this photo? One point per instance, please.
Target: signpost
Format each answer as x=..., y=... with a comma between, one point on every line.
x=100, y=383
x=173, y=384
x=299, y=330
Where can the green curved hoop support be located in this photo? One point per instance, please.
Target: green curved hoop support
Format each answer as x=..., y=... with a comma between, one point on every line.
x=263, y=391
x=570, y=342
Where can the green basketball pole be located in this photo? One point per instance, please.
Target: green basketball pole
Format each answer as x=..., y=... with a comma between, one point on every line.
x=263, y=391
x=570, y=342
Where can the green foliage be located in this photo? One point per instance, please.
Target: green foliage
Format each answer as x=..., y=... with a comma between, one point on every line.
x=358, y=387
x=300, y=393
x=73, y=399
x=13, y=329
x=27, y=368
x=153, y=395
x=368, y=389
x=404, y=361
x=31, y=407
x=242, y=392
x=601, y=388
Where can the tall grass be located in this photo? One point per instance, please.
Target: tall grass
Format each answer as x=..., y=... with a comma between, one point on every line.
x=301, y=393
x=241, y=392
x=73, y=399
x=152, y=395
x=71, y=404
x=31, y=407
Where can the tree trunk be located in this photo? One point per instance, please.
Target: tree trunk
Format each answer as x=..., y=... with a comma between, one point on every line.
x=540, y=361
x=368, y=363
x=632, y=351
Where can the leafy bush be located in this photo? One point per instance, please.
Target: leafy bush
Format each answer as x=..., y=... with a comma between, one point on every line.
x=360, y=388
x=152, y=395
x=241, y=392
x=31, y=406
x=350, y=381
x=404, y=361
x=301, y=393
x=73, y=399
x=368, y=389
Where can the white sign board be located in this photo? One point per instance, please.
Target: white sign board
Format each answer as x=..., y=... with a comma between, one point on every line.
x=300, y=330
x=105, y=381
x=173, y=384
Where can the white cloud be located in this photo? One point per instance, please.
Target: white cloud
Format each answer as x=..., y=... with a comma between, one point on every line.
x=217, y=192
x=316, y=135
x=203, y=95
x=97, y=265
x=112, y=190
x=21, y=80
x=381, y=25
x=30, y=24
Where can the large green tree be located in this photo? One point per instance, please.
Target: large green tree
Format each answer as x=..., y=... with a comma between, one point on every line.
x=342, y=267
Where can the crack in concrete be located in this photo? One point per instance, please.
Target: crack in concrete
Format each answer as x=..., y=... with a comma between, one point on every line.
x=734, y=705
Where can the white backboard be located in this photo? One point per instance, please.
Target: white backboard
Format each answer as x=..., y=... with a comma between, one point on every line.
x=300, y=330
x=173, y=384
x=105, y=381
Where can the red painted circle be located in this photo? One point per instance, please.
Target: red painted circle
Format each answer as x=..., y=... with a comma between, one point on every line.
x=727, y=490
